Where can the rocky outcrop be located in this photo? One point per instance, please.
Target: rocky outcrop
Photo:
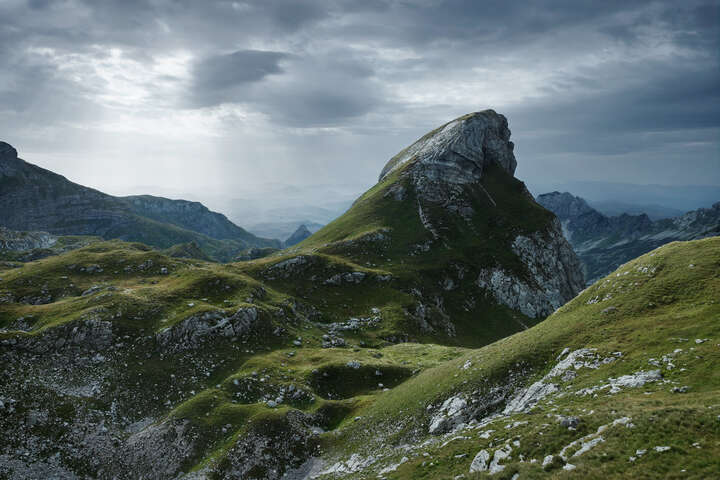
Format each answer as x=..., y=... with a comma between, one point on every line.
x=270, y=448
x=88, y=335
x=603, y=243
x=458, y=151
x=207, y=326
x=450, y=158
x=162, y=449
x=22, y=241
x=554, y=275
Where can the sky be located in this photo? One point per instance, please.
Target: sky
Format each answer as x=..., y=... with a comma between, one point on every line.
x=224, y=98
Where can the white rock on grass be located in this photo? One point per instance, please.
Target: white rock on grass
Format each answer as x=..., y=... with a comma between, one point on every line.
x=449, y=415
x=500, y=455
x=480, y=462
x=526, y=399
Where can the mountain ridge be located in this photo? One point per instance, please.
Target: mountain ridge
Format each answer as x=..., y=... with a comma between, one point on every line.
x=33, y=198
x=603, y=243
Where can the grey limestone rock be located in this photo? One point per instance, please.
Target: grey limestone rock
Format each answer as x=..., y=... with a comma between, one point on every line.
x=553, y=275
x=201, y=327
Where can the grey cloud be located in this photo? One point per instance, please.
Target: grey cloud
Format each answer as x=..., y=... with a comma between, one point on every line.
x=325, y=90
x=305, y=90
x=220, y=78
x=363, y=69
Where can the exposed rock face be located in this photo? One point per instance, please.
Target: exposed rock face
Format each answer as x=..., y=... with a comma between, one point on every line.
x=88, y=335
x=269, y=450
x=454, y=156
x=604, y=243
x=458, y=151
x=21, y=241
x=555, y=275
x=161, y=449
x=193, y=331
x=298, y=236
x=32, y=198
x=446, y=170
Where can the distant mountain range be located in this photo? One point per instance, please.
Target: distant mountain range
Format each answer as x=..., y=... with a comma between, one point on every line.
x=605, y=242
x=32, y=199
x=658, y=201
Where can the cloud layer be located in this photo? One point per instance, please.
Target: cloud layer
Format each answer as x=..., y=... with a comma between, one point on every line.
x=223, y=96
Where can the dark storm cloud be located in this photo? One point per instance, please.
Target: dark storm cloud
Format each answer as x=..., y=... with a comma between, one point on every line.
x=306, y=90
x=220, y=78
x=658, y=99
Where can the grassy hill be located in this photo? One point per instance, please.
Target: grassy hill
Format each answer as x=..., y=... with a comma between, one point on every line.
x=374, y=401
x=656, y=318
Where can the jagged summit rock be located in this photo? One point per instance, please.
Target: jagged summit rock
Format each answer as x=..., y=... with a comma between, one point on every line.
x=458, y=151
x=298, y=236
x=447, y=167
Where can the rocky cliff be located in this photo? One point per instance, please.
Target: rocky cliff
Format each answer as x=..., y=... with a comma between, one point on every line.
x=603, y=243
x=32, y=198
x=23, y=241
x=449, y=176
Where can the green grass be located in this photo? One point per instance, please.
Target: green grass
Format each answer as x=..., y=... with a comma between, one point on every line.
x=653, y=311
x=373, y=395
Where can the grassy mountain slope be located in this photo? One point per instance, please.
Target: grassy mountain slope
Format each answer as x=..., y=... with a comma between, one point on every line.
x=373, y=399
x=656, y=313
x=385, y=236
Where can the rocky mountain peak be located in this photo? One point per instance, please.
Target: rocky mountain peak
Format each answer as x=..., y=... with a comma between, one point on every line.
x=298, y=236
x=459, y=151
x=565, y=205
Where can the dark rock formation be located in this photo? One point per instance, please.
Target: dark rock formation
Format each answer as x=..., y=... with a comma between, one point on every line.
x=603, y=243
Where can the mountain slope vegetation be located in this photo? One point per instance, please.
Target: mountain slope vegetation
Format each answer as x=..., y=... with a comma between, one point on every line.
x=388, y=344
x=621, y=382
